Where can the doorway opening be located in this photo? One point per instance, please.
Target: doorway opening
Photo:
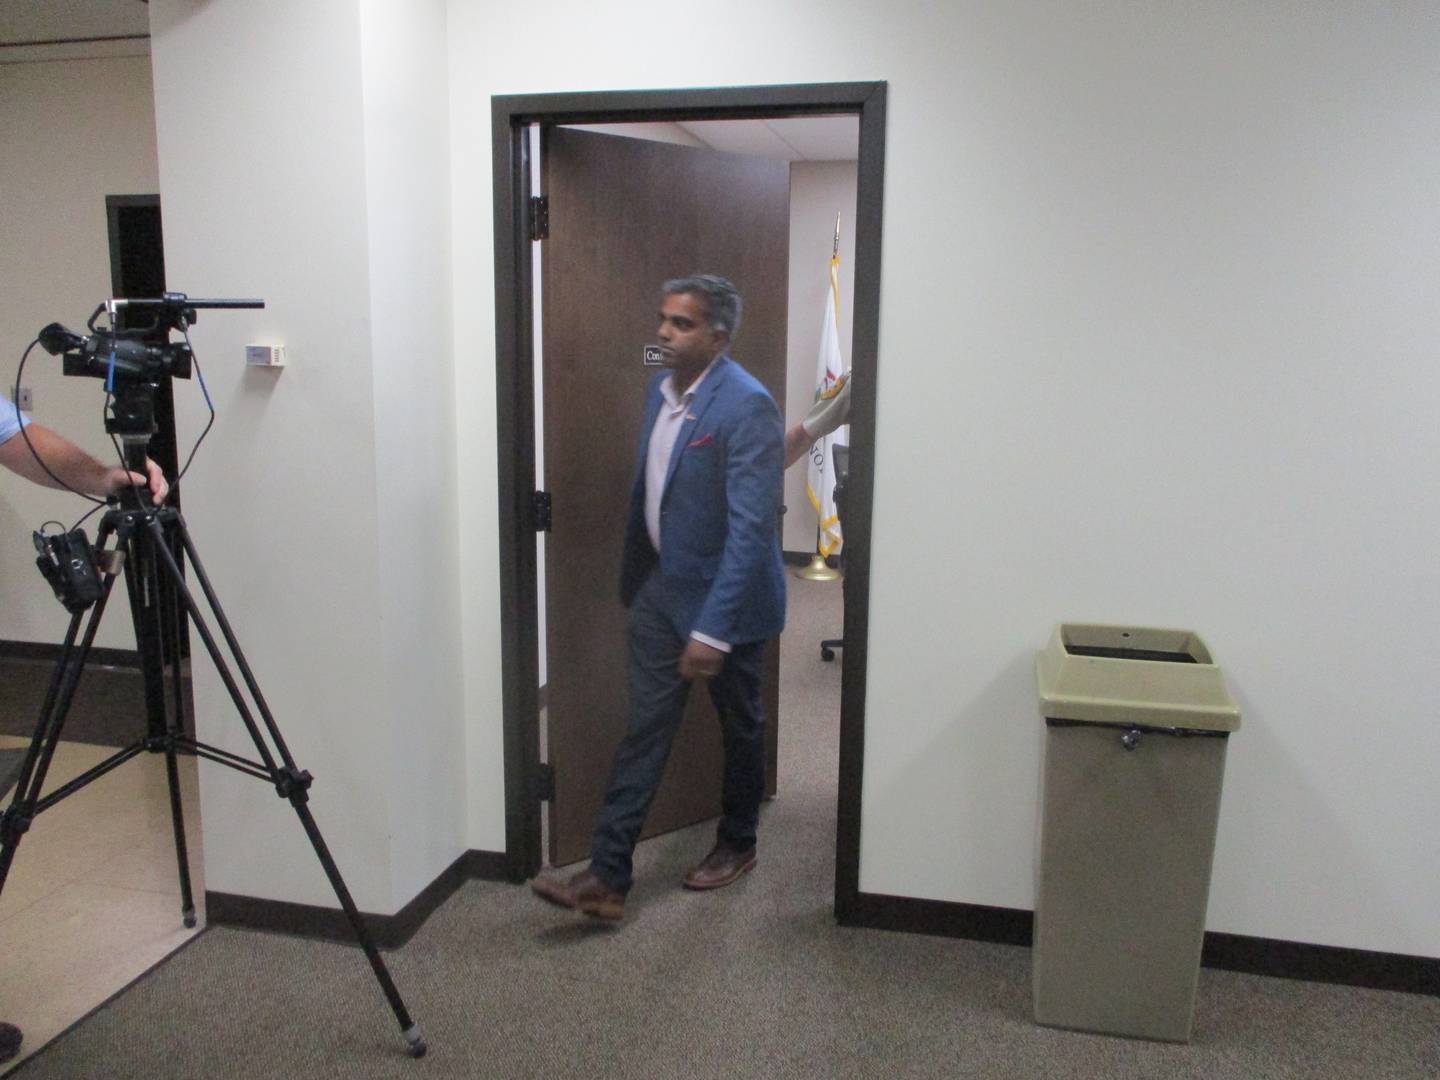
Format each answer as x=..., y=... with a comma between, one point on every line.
x=526, y=780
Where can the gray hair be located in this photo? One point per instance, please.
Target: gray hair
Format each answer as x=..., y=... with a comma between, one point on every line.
x=721, y=299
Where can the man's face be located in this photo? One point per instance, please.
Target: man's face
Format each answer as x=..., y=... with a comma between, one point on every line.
x=687, y=340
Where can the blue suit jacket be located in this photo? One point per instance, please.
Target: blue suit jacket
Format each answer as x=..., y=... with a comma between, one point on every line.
x=720, y=566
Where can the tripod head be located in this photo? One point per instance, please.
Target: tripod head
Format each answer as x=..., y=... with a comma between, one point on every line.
x=136, y=360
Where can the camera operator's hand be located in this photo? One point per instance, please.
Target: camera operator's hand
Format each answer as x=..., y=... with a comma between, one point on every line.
x=118, y=479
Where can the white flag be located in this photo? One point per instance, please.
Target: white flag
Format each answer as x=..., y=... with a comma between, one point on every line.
x=820, y=481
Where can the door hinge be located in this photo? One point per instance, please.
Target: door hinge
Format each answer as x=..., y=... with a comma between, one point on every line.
x=545, y=782
x=543, y=517
x=539, y=217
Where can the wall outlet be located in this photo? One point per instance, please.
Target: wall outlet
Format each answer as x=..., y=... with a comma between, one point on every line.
x=24, y=398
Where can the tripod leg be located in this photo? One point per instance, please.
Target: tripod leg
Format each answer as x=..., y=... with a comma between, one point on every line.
x=16, y=821
x=147, y=608
x=220, y=620
x=178, y=729
x=182, y=857
x=408, y=1027
x=290, y=782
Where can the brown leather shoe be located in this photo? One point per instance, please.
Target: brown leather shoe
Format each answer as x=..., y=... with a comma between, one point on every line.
x=721, y=867
x=583, y=892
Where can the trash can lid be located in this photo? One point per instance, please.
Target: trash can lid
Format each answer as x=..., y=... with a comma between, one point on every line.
x=1133, y=675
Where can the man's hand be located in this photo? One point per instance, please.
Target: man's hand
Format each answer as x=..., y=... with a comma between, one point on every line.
x=700, y=661
x=116, y=479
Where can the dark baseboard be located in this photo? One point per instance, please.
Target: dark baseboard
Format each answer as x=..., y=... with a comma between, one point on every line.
x=1322, y=963
x=486, y=866
x=330, y=924
x=1228, y=952
x=49, y=653
x=906, y=914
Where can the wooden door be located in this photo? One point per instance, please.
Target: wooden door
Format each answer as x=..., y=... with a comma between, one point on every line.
x=624, y=216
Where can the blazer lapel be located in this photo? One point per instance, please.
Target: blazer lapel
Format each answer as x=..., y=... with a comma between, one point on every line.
x=693, y=415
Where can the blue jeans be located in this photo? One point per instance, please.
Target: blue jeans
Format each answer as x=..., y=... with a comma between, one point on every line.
x=657, y=704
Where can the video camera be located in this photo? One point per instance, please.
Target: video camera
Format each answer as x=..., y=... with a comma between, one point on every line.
x=133, y=361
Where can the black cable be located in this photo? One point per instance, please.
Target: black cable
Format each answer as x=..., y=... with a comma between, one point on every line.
x=88, y=515
x=199, y=375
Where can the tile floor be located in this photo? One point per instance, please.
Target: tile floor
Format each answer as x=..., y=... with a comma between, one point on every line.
x=93, y=897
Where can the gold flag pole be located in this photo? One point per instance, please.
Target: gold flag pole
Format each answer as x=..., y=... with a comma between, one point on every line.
x=818, y=569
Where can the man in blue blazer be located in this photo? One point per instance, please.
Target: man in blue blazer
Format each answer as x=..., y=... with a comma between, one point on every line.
x=703, y=581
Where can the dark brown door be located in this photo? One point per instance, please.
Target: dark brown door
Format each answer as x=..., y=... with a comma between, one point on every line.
x=625, y=215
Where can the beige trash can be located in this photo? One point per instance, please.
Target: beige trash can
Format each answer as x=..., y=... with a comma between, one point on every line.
x=1137, y=724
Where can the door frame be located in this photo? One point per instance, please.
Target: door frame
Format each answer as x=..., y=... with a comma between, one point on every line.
x=515, y=421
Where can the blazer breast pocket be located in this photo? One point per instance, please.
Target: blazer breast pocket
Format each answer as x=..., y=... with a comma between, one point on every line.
x=702, y=455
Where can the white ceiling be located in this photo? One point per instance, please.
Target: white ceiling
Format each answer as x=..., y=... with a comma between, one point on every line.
x=799, y=138
x=79, y=23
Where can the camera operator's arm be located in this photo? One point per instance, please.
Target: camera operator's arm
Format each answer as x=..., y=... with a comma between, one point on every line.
x=797, y=441
x=74, y=466
x=828, y=413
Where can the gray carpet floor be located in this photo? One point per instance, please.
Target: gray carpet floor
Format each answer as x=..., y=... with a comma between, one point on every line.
x=753, y=980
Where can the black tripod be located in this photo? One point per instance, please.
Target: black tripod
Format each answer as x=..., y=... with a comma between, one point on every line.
x=148, y=543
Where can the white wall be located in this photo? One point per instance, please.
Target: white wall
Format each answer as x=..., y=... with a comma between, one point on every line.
x=407, y=131
x=322, y=503
x=1156, y=346
x=71, y=132
x=818, y=191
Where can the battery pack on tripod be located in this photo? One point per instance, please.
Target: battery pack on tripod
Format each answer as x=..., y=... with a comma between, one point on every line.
x=68, y=562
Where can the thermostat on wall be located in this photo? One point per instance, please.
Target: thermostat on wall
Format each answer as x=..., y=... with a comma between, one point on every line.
x=265, y=355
